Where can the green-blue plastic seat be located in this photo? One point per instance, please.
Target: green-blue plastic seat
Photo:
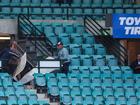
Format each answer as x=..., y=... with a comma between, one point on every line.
x=107, y=82
x=75, y=90
x=76, y=38
x=108, y=92
x=22, y=99
x=69, y=29
x=121, y=100
x=86, y=60
x=36, y=11
x=66, y=99
x=15, y=2
x=48, y=29
x=5, y=3
x=43, y=102
x=99, y=100
x=39, y=79
x=87, y=49
x=129, y=92
x=110, y=100
x=16, y=10
x=111, y=60
x=96, y=82
x=54, y=91
x=75, y=49
x=63, y=37
x=133, y=100
x=47, y=10
x=77, y=100
x=80, y=29
x=119, y=91
x=119, y=10
x=89, y=39
x=77, y=2
x=97, y=91
x=107, y=3
x=87, y=2
x=88, y=100
x=5, y=10
x=25, y=2
x=45, y=2
x=58, y=29
x=98, y=60
x=35, y=2
x=12, y=99
x=97, y=3
x=86, y=91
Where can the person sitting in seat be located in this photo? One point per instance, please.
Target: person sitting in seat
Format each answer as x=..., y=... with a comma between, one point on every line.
x=63, y=55
x=136, y=65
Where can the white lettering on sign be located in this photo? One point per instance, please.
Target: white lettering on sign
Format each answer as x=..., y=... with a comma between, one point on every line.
x=131, y=25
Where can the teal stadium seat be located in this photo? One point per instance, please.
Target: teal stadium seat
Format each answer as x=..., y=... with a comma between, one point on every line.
x=12, y=99
x=107, y=3
x=25, y=2
x=58, y=29
x=63, y=37
x=86, y=60
x=15, y=2
x=76, y=38
x=75, y=49
x=87, y=49
x=77, y=1
x=40, y=79
x=88, y=100
x=4, y=2
x=97, y=3
x=35, y=2
x=69, y=29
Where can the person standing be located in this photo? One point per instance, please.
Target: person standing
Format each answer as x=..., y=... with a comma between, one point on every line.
x=10, y=58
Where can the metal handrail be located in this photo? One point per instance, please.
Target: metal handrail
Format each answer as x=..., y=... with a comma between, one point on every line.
x=106, y=39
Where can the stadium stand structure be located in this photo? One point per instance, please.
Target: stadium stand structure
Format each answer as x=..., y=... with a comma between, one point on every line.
x=95, y=76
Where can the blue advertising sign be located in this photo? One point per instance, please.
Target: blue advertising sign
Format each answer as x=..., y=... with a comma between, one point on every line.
x=126, y=25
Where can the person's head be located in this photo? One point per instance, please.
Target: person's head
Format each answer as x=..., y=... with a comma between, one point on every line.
x=59, y=45
x=138, y=57
x=13, y=45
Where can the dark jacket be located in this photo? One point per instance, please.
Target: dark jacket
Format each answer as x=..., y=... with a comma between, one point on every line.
x=136, y=67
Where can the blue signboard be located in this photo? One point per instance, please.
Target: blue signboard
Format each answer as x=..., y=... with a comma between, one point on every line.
x=126, y=25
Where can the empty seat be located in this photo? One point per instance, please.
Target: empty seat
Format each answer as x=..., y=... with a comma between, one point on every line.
x=35, y=3
x=80, y=29
x=121, y=100
x=100, y=49
x=132, y=101
x=12, y=99
x=107, y=3
x=76, y=38
x=99, y=60
x=75, y=49
x=15, y=3
x=22, y=99
x=110, y=100
x=97, y=3
x=25, y=2
x=75, y=60
x=69, y=29
x=75, y=91
x=76, y=1
x=57, y=10
x=58, y=29
x=66, y=99
x=88, y=100
x=36, y=10
x=89, y=39
x=108, y=92
x=48, y=29
x=87, y=49
x=39, y=79
x=99, y=100
x=88, y=11
x=77, y=100
x=111, y=60
x=84, y=70
x=86, y=60
x=86, y=91
x=118, y=92
x=64, y=38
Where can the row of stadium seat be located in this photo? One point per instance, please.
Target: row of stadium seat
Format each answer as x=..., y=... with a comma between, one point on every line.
x=74, y=11
x=15, y=93
x=93, y=60
x=59, y=28
x=73, y=38
x=42, y=2
x=87, y=49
